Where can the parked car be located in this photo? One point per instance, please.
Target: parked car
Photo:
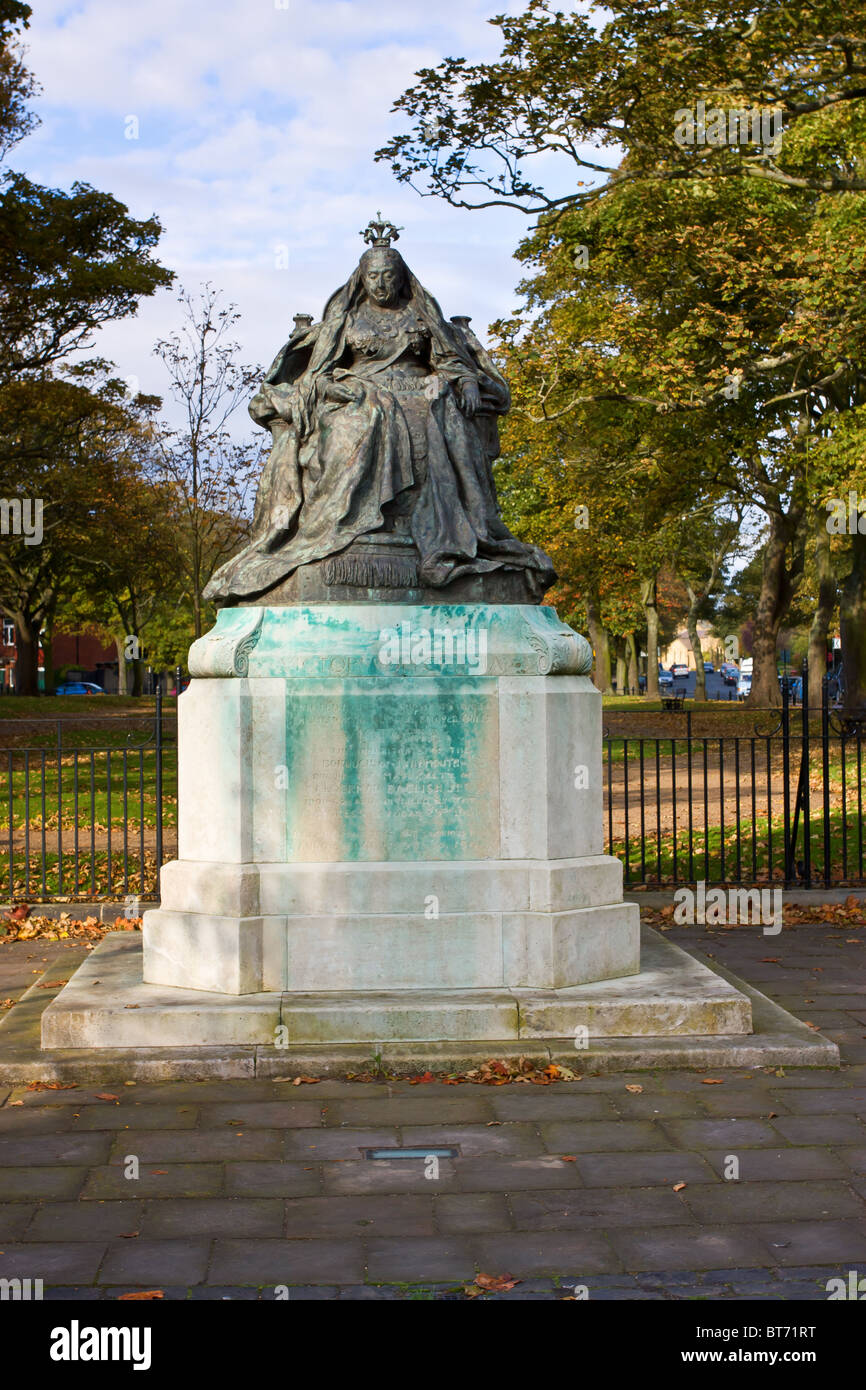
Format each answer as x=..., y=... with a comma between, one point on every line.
x=729, y=673
x=680, y=670
x=709, y=667
x=665, y=678
x=79, y=688
x=795, y=688
x=744, y=685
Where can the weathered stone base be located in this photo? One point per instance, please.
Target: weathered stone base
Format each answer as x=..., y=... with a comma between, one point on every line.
x=778, y=1039
x=106, y=1004
x=318, y=928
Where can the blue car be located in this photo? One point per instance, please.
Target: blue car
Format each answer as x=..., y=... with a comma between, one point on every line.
x=795, y=688
x=79, y=688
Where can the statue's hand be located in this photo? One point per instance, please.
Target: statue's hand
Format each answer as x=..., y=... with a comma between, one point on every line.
x=471, y=397
x=343, y=392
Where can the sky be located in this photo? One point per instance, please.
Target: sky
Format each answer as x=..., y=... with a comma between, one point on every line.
x=255, y=123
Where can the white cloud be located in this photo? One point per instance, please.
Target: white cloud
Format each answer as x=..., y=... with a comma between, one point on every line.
x=257, y=128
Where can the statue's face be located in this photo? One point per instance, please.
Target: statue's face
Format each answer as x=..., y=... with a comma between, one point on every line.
x=382, y=281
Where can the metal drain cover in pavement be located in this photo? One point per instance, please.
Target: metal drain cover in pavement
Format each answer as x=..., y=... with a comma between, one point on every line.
x=432, y=1152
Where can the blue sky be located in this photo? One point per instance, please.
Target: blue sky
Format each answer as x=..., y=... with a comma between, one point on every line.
x=257, y=123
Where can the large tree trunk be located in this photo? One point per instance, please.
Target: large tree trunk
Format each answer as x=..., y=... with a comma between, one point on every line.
x=649, y=599
x=600, y=646
x=620, y=666
x=633, y=672
x=773, y=602
x=695, y=601
x=823, y=610
x=137, y=667
x=122, y=684
x=852, y=625
x=27, y=654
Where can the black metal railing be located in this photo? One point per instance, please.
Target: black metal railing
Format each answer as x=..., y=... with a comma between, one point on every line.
x=782, y=803
x=85, y=822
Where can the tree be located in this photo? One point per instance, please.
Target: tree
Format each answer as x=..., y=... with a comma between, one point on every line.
x=17, y=86
x=564, y=92
x=724, y=281
x=57, y=449
x=702, y=543
x=69, y=262
x=207, y=471
x=129, y=589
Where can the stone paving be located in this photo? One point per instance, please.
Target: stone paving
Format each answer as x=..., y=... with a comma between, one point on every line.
x=244, y=1186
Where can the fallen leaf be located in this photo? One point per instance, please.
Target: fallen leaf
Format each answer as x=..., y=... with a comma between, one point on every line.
x=635, y=1090
x=496, y=1283
x=713, y=1081
x=159, y=1172
x=53, y=984
x=421, y=1080
x=52, y=1086
x=490, y=1123
x=16, y=1102
x=105, y=1095
x=145, y=1293
x=306, y=1081
x=129, y=1235
x=771, y=960
x=678, y=1186
x=568, y=1158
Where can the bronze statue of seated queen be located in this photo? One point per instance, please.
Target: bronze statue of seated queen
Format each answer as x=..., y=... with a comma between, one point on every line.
x=379, y=485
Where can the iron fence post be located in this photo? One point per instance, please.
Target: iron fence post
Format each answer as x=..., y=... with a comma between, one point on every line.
x=158, y=743
x=825, y=773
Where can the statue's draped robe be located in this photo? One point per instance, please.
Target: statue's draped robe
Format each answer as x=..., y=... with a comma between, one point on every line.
x=339, y=468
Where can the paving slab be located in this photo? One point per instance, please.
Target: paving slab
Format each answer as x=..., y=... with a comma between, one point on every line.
x=461, y=1213
x=391, y=1215
x=178, y=1217
x=600, y=1208
x=677, y=1247
x=155, y=1262
x=784, y=1165
x=270, y=1262
x=574, y=1254
x=391, y=1260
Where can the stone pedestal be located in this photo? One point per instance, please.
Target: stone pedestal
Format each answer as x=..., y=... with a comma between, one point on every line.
x=379, y=798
